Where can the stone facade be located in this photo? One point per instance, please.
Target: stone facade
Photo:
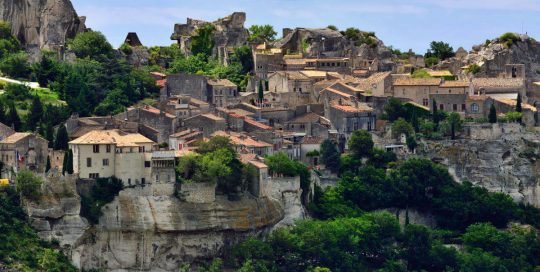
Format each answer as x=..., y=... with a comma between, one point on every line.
x=186, y=84
x=207, y=123
x=163, y=123
x=23, y=151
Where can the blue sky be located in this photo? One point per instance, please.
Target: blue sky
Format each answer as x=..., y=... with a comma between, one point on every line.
x=403, y=24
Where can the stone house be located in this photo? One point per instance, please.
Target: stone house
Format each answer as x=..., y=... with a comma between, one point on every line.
x=207, y=123
x=23, y=151
x=449, y=102
x=416, y=89
x=342, y=90
x=192, y=85
x=347, y=117
x=504, y=105
x=340, y=65
x=309, y=123
x=78, y=126
x=277, y=116
x=163, y=167
x=289, y=81
x=107, y=153
x=185, y=139
x=500, y=87
x=378, y=84
x=247, y=145
x=185, y=106
x=258, y=186
x=478, y=106
x=222, y=92
x=267, y=61
x=5, y=131
x=310, y=144
x=154, y=123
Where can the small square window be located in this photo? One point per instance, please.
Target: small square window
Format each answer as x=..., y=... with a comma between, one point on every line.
x=105, y=162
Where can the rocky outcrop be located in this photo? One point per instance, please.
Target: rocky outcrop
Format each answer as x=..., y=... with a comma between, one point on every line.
x=42, y=24
x=145, y=233
x=229, y=32
x=508, y=164
x=56, y=215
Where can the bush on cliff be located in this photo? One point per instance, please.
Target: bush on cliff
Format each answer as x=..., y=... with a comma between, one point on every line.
x=102, y=192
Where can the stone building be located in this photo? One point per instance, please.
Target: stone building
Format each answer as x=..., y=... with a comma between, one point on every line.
x=5, y=131
x=340, y=65
x=500, y=87
x=266, y=60
x=309, y=123
x=78, y=126
x=207, y=123
x=347, y=117
x=107, y=153
x=154, y=123
x=247, y=145
x=23, y=151
x=222, y=92
x=185, y=139
x=163, y=167
x=478, y=106
x=416, y=89
x=310, y=144
x=132, y=39
x=184, y=84
x=258, y=186
x=378, y=84
x=185, y=107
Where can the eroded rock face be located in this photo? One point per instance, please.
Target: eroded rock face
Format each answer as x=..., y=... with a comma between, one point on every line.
x=44, y=24
x=147, y=233
x=500, y=165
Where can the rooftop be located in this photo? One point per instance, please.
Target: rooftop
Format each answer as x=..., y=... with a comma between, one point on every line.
x=114, y=136
x=362, y=107
x=309, y=117
x=513, y=103
x=417, y=82
x=242, y=140
x=455, y=84
x=257, y=124
x=212, y=117
x=440, y=73
x=498, y=82
x=13, y=138
x=153, y=110
x=312, y=140
x=221, y=82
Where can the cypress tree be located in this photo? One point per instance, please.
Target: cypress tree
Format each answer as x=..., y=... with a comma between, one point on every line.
x=49, y=134
x=492, y=114
x=69, y=168
x=261, y=91
x=65, y=162
x=13, y=117
x=48, y=166
x=435, y=115
x=518, y=104
x=36, y=112
x=61, y=139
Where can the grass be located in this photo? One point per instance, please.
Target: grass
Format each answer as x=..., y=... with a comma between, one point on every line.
x=48, y=97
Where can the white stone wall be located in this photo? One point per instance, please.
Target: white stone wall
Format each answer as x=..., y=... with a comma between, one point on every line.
x=82, y=152
x=491, y=131
x=130, y=166
x=199, y=192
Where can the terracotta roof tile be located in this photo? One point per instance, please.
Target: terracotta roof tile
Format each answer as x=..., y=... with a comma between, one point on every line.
x=114, y=136
x=417, y=82
x=13, y=138
x=498, y=82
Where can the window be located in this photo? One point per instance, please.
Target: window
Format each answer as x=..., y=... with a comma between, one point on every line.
x=449, y=91
x=108, y=148
x=300, y=89
x=105, y=162
x=157, y=178
x=141, y=149
x=143, y=181
x=463, y=107
x=454, y=107
x=168, y=178
x=129, y=181
x=147, y=164
x=93, y=175
x=88, y=162
x=425, y=102
x=96, y=148
x=474, y=107
x=441, y=107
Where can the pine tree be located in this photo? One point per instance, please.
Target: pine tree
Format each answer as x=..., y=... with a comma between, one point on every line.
x=35, y=115
x=518, y=104
x=13, y=118
x=261, y=91
x=435, y=115
x=48, y=166
x=492, y=114
x=61, y=139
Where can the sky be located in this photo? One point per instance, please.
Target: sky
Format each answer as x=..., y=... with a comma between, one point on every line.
x=403, y=24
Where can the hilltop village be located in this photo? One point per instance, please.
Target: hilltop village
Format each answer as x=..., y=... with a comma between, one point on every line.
x=150, y=158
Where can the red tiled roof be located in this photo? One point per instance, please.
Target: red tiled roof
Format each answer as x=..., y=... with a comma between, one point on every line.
x=362, y=107
x=161, y=83
x=156, y=111
x=257, y=124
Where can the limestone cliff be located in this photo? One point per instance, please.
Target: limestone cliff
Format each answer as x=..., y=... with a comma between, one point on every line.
x=507, y=164
x=42, y=24
x=145, y=233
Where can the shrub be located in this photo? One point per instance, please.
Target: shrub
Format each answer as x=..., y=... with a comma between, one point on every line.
x=126, y=49
x=509, y=38
x=102, y=192
x=473, y=69
x=28, y=185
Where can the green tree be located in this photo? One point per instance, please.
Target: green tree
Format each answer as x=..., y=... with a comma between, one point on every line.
x=435, y=115
x=417, y=243
x=69, y=165
x=514, y=116
x=8, y=43
x=261, y=92
x=332, y=27
x=28, y=184
x=46, y=70
x=492, y=114
x=518, y=103
x=203, y=41
x=35, y=114
x=16, y=65
x=441, y=50
x=263, y=32
x=244, y=56
x=13, y=118
x=411, y=143
x=400, y=126
x=361, y=143
x=394, y=109
x=61, y=139
x=48, y=165
x=65, y=162
x=91, y=44
x=455, y=121
x=330, y=155
x=3, y=118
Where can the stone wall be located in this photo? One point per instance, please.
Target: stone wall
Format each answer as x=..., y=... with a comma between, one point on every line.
x=288, y=192
x=198, y=192
x=490, y=131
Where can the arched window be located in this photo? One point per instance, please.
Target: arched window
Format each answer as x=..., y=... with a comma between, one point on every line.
x=474, y=107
